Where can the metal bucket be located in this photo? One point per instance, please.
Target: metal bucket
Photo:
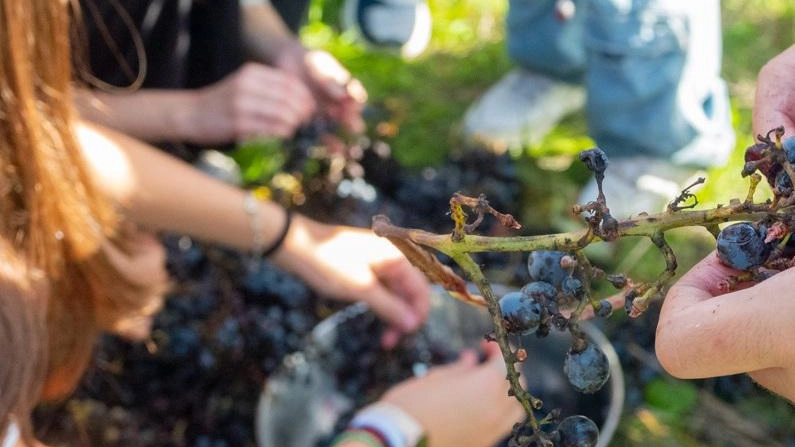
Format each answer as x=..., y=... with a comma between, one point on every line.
x=300, y=403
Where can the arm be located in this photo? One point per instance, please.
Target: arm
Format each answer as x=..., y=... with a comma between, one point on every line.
x=268, y=40
x=158, y=191
x=254, y=101
x=702, y=333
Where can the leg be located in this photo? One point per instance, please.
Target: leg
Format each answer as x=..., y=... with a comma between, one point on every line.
x=528, y=102
x=653, y=80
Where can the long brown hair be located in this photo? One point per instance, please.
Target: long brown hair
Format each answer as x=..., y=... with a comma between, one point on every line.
x=50, y=209
x=22, y=331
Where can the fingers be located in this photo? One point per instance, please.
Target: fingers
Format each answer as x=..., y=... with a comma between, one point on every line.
x=392, y=309
x=699, y=335
x=404, y=280
x=256, y=101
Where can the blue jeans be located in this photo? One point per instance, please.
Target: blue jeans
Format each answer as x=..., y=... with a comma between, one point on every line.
x=651, y=69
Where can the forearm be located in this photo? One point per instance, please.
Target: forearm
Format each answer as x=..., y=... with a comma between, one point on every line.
x=149, y=114
x=266, y=37
x=161, y=192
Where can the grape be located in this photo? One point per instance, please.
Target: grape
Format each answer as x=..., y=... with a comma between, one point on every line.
x=768, y=168
x=544, y=265
x=783, y=183
x=588, y=369
x=788, y=144
x=521, y=314
x=539, y=291
x=578, y=431
x=572, y=287
x=742, y=246
x=595, y=159
x=604, y=309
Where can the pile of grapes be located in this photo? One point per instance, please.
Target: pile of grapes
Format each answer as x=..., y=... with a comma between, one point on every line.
x=229, y=322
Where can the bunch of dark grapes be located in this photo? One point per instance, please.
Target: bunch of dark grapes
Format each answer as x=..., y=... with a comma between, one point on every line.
x=763, y=248
x=556, y=283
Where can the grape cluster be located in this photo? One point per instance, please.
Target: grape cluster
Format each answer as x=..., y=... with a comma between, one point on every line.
x=764, y=247
x=557, y=282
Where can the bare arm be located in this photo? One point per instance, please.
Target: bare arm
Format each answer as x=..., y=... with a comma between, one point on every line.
x=337, y=94
x=254, y=101
x=163, y=193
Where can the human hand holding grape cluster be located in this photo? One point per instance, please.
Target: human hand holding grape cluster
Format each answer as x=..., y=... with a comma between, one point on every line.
x=754, y=248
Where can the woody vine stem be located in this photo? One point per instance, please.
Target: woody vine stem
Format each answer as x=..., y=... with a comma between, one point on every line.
x=601, y=226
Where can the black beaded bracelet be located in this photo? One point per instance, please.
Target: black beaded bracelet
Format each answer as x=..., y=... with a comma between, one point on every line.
x=288, y=220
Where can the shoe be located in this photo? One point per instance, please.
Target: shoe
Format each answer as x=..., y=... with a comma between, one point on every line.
x=633, y=185
x=404, y=25
x=520, y=110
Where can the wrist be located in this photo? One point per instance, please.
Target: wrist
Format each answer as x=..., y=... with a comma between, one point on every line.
x=394, y=426
x=186, y=118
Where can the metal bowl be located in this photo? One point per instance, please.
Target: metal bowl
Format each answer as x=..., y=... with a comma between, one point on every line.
x=301, y=403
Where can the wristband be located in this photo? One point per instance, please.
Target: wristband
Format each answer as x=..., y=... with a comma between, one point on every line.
x=398, y=428
x=370, y=438
x=251, y=207
x=288, y=220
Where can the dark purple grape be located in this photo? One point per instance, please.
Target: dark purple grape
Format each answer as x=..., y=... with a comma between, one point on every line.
x=595, y=159
x=783, y=185
x=521, y=314
x=788, y=144
x=742, y=246
x=588, y=369
x=544, y=265
x=578, y=431
x=572, y=287
x=540, y=291
x=768, y=168
x=604, y=309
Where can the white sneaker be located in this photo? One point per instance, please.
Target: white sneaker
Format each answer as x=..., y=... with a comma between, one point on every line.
x=404, y=25
x=520, y=110
x=633, y=185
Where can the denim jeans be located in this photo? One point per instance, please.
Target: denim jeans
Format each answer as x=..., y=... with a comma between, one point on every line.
x=651, y=70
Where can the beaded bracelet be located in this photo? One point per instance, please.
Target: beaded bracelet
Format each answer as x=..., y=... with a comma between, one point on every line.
x=364, y=436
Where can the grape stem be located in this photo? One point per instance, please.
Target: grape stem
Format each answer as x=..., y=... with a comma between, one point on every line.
x=459, y=245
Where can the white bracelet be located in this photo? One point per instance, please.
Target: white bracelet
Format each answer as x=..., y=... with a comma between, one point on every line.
x=251, y=205
x=399, y=428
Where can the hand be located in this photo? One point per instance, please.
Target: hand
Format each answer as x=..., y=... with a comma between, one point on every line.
x=353, y=264
x=775, y=94
x=702, y=333
x=254, y=101
x=464, y=403
x=141, y=260
x=339, y=96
